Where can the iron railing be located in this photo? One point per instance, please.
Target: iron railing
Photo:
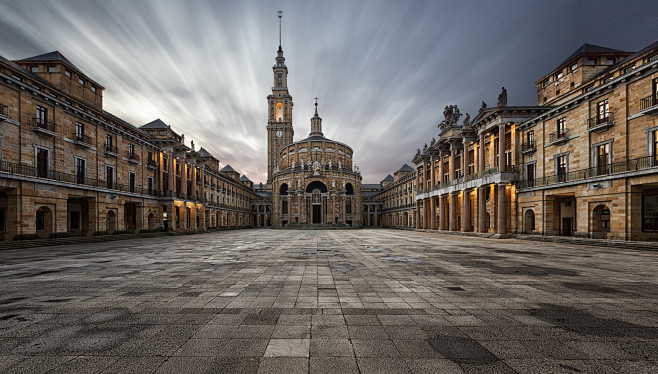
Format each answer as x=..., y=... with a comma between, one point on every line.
x=31, y=171
x=133, y=157
x=81, y=138
x=613, y=168
x=558, y=135
x=111, y=149
x=43, y=124
x=649, y=101
x=151, y=162
x=599, y=120
x=528, y=146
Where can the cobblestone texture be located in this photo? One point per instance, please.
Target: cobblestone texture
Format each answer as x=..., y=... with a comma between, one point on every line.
x=368, y=301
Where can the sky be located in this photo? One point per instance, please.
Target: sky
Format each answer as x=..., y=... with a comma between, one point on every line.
x=383, y=70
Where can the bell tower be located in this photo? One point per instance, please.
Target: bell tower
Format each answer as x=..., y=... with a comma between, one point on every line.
x=279, y=121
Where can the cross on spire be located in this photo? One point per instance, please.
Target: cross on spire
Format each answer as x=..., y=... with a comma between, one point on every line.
x=316, y=105
x=280, y=15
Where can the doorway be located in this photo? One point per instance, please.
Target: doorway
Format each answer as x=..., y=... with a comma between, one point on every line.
x=566, y=226
x=316, y=213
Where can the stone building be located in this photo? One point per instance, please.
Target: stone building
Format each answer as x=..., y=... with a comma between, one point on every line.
x=69, y=167
x=582, y=162
x=397, y=199
x=313, y=181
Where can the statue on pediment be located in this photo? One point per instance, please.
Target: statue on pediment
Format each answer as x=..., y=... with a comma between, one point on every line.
x=502, y=98
x=467, y=120
x=452, y=115
x=483, y=107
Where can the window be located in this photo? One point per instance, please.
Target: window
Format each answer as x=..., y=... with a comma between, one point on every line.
x=188, y=211
x=530, y=174
x=80, y=169
x=132, y=181
x=109, y=176
x=279, y=77
x=558, y=75
x=655, y=146
x=42, y=114
x=557, y=92
x=149, y=182
x=603, y=111
x=544, y=84
x=177, y=217
x=81, y=81
x=34, y=69
x=51, y=69
x=67, y=73
x=561, y=127
x=561, y=168
x=42, y=163
x=108, y=142
x=609, y=61
x=165, y=163
x=602, y=158
x=591, y=61
x=530, y=139
x=93, y=88
x=574, y=66
x=79, y=131
x=650, y=212
x=41, y=220
x=131, y=150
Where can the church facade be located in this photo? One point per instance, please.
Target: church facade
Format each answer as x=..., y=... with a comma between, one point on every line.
x=314, y=181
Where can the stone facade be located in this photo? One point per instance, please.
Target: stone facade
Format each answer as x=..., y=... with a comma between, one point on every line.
x=397, y=199
x=69, y=167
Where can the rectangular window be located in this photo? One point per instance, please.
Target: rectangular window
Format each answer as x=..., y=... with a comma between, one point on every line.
x=561, y=168
x=81, y=81
x=165, y=163
x=42, y=114
x=80, y=169
x=603, y=158
x=603, y=110
x=655, y=147
x=131, y=151
x=591, y=61
x=109, y=176
x=545, y=83
x=530, y=174
x=132, y=181
x=609, y=61
x=51, y=69
x=42, y=163
x=108, y=142
x=93, y=88
x=530, y=139
x=562, y=127
x=574, y=66
x=284, y=207
x=34, y=69
x=558, y=75
x=149, y=181
x=654, y=100
x=279, y=77
x=79, y=131
x=67, y=73
x=650, y=213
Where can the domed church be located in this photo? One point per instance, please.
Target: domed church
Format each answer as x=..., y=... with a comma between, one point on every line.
x=313, y=180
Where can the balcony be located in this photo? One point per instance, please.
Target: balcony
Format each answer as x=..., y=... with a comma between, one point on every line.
x=111, y=151
x=43, y=127
x=82, y=140
x=633, y=165
x=649, y=105
x=599, y=123
x=151, y=164
x=558, y=137
x=528, y=147
x=132, y=157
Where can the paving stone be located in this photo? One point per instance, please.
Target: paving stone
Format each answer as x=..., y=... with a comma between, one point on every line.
x=288, y=348
x=342, y=365
x=321, y=347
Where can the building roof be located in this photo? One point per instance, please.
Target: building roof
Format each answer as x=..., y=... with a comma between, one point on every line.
x=406, y=167
x=228, y=169
x=389, y=177
x=590, y=49
x=157, y=124
x=370, y=185
x=204, y=153
x=244, y=179
x=50, y=56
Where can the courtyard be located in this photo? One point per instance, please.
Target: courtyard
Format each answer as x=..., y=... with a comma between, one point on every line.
x=337, y=301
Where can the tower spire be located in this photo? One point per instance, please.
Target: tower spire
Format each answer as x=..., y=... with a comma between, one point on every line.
x=316, y=122
x=316, y=105
x=280, y=15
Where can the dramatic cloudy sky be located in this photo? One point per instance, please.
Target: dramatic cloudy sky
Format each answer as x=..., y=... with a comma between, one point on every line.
x=383, y=70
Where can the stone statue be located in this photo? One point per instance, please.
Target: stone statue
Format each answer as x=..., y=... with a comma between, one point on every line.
x=502, y=98
x=299, y=183
x=333, y=183
x=451, y=114
x=192, y=144
x=467, y=120
x=329, y=163
x=483, y=107
x=316, y=168
x=293, y=164
x=340, y=164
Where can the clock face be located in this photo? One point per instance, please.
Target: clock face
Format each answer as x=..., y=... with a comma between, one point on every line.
x=279, y=133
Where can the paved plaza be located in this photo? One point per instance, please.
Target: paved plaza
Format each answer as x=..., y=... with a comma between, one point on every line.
x=339, y=301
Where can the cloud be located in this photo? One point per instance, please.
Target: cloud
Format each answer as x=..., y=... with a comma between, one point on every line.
x=383, y=70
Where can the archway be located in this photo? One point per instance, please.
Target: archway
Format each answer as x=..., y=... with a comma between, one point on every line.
x=44, y=222
x=600, y=223
x=529, y=221
x=151, y=221
x=349, y=190
x=283, y=190
x=111, y=222
x=316, y=185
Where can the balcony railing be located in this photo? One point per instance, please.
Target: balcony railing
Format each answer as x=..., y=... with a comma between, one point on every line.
x=649, y=101
x=598, y=122
x=613, y=168
x=41, y=125
x=134, y=157
x=558, y=136
x=528, y=147
x=151, y=163
x=4, y=111
x=111, y=150
x=31, y=171
x=82, y=139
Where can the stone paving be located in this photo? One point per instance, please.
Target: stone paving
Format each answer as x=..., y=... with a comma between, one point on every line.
x=340, y=301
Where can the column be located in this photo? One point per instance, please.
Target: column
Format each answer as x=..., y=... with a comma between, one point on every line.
x=442, y=213
x=466, y=211
x=453, y=212
x=376, y=216
x=465, y=158
x=453, y=150
x=202, y=193
x=193, y=192
x=502, y=209
x=501, y=147
x=432, y=213
x=482, y=160
x=417, y=214
x=299, y=209
x=368, y=213
x=290, y=213
x=343, y=210
x=432, y=176
x=482, y=209
x=441, y=171
x=183, y=177
x=170, y=171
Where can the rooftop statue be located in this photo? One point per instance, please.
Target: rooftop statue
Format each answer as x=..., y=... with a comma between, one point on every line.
x=467, y=120
x=451, y=114
x=502, y=98
x=483, y=107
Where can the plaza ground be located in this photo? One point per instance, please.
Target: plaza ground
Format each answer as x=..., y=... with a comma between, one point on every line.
x=340, y=301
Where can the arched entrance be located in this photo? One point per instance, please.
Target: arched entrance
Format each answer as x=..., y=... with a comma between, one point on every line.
x=151, y=221
x=111, y=222
x=600, y=223
x=44, y=222
x=316, y=189
x=529, y=221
